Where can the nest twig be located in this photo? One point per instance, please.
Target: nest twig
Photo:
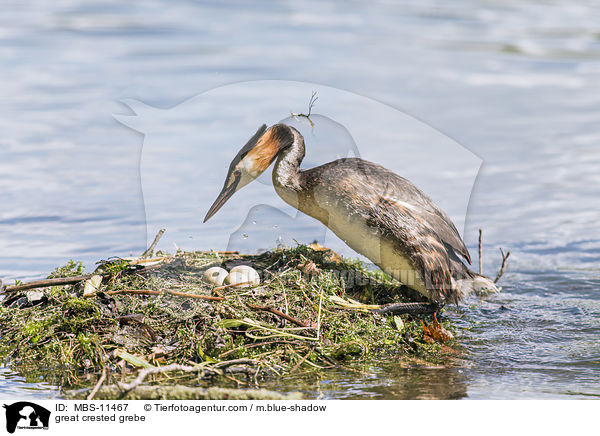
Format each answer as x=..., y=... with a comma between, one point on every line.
x=100, y=381
x=480, y=259
x=503, y=266
x=504, y=259
x=311, y=103
x=152, y=292
x=58, y=281
x=152, y=246
x=278, y=313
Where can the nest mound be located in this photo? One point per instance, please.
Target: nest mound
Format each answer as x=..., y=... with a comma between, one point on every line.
x=156, y=322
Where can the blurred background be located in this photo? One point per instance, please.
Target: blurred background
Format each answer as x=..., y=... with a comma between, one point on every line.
x=515, y=85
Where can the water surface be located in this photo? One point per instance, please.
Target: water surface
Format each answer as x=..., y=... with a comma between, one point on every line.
x=517, y=84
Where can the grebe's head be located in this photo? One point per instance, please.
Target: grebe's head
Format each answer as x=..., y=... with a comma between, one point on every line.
x=252, y=160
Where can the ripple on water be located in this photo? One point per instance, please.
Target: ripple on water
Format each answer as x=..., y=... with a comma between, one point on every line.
x=545, y=343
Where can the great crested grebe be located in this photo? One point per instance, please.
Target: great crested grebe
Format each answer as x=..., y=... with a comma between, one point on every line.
x=376, y=212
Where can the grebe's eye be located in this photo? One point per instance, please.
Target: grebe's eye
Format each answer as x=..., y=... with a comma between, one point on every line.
x=237, y=173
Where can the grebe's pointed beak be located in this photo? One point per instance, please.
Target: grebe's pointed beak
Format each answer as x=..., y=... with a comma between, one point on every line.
x=251, y=161
x=225, y=195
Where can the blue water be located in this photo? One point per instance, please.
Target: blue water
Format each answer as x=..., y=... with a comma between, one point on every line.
x=515, y=86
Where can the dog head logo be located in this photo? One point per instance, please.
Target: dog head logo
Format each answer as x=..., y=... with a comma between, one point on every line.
x=26, y=415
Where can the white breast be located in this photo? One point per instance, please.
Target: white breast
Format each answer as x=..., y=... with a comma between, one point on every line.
x=368, y=242
x=354, y=231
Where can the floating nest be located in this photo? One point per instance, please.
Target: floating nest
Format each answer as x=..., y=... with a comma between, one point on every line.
x=154, y=325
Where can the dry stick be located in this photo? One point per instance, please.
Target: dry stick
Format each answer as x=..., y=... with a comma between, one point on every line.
x=58, y=281
x=319, y=314
x=218, y=293
x=296, y=366
x=503, y=266
x=218, y=288
x=480, y=269
x=239, y=382
x=153, y=259
x=48, y=282
x=220, y=252
x=196, y=296
x=152, y=246
x=258, y=368
x=287, y=307
x=151, y=292
x=156, y=370
x=177, y=367
x=278, y=313
x=134, y=292
x=311, y=103
x=408, y=308
x=100, y=381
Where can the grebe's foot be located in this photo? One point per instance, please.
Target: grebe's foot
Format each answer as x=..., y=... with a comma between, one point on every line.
x=408, y=308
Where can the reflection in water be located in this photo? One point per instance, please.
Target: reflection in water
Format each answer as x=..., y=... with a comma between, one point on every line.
x=386, y=381
x=18, y=386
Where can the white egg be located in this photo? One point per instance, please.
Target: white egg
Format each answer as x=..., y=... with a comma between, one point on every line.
x=243, y=268
x=215, y=275
x=243, y=274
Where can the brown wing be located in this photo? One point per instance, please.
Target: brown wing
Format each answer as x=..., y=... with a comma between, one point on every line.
x=400, y=190
x=401, y=212
x=365, y=181
x=419, y=243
